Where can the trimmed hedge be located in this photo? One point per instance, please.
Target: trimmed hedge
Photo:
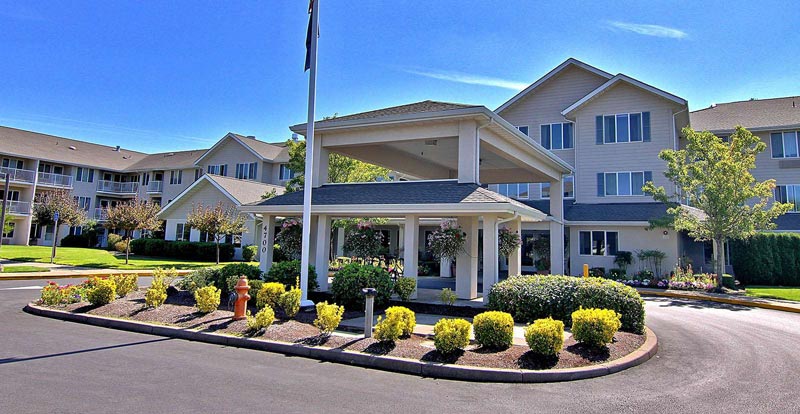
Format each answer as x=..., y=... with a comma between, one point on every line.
x=182, y=249
x=353, y=277
x=529, y=298
x=771, y=259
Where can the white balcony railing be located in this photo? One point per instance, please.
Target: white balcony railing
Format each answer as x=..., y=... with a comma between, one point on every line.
x=100, y=214
x=54, y=180
x=117, y=187
x=18, y=207
x=155, y=187
x=18, y=175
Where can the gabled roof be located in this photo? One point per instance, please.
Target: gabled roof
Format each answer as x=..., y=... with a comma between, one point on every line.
x=558, y=69
x=168, y=160
x=629, y=80
x=755, y=114
x=261, y=149
x=239, y=192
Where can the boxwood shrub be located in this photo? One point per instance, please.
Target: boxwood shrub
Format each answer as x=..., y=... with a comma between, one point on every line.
x=353, y=277
x=182, y=249
x=288, y=273
x=529, y=298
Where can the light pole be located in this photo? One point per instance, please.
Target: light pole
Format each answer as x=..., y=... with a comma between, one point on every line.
x=5, y=201
x=55, y=237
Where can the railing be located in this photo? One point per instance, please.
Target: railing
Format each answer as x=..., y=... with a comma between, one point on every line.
x=15, y=174
x=18, y=207
x=54, y=180
x=155, y=186
x=100, y=214
x=117, y=187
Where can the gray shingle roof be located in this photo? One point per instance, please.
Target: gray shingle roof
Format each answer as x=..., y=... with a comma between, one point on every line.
x=168, y=160
x=244, y=191
x=753, y=114
x=266, y=150
x=412, y=108
x=605, y=211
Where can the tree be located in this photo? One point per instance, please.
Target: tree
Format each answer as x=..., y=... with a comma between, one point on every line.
x=8, y=225
x=134, y=215
x=69, y=211
x=714, y=178
x=218, y=221
x=341, y=169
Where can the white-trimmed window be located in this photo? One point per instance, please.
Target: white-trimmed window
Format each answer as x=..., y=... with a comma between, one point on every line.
x=515, y=190
x=10, y=234
x=622, y=183
x=182, y=232
x=13, y=163
x=569, y=188
x=13, y=195
x=620, y=128
x=523, y=129
x=175, y=176
x=198, y=172
x=599, y=243
x=246, y=171
x=219, y=169
x=558, y=136
x=286, y=173
x=784, y=144
x=788, y=194
x=84, y=174
x=83, y=202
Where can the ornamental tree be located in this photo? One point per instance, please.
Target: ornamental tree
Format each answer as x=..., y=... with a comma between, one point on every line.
x=134, y=215
x=218, y=221
x=69, y=211
x=341, y=169
x=715, y=179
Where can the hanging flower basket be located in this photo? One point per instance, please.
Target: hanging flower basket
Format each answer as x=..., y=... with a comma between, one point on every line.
x=447, y=241
x=507, y=241
x=364, y=240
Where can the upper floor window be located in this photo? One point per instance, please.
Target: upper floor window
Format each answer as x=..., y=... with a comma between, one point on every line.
x=85, y=175
x=13, y=163
x=599, y=243
x=175, y=176
x=784, y=144
x=523, y=129
x=618, y=128
x=515, y=190
x=220, y=169
x=246, y=171
x=788, y=194
x=286, y=173
x=569, y=188
x=83, y=202
x=198, y=172
x=624, y=183
x=558, y=136
x=13, y=195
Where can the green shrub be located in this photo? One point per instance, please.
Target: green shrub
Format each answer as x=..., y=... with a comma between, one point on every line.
x=249, y=253
x=595, y=327
x=597, y=271
x=290, y=302
x=255, y=286
x=262, y=320
x=207, y=299
x=121, y=246
x=156, y=294
x=767, y=259
x=408, y=320
x=450, y=335
x=125, y=284
x=76, y=240
x=405, y=287
x=112, y=240
x=529, y=298
x=206, y=251
x=103, y=293
x=328, y=317
x=388, y=330
x=545, y=336
x=199, y=278
x=353, y=277
x=494, y=329
x=269, y=294
x=728, y=281
x=448, y=297
x=289, y=272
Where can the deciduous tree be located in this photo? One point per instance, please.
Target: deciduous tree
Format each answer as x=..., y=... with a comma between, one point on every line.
x=134, y=215
x=218, y=221
x=46, y=205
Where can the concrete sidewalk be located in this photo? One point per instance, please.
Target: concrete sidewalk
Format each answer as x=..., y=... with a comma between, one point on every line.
x=57, y=271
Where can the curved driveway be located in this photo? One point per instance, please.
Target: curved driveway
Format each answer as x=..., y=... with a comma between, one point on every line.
x=712, y=358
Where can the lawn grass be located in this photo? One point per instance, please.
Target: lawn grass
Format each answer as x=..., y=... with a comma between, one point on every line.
x=24, y=269
x=774, y=292
x=96, y=258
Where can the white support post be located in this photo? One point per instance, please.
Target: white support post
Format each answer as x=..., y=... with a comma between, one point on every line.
x=557, y=228
x=490, y=259
x=411, y=249
x=515, y=258
x=267, y=243
x=323, y=251
x=321, y=159
x=340, y=241
x=468, y=152
x=467, y=261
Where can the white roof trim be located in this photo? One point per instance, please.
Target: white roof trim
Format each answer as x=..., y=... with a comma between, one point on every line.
x=623, y=78
x=545, y=78
x=183, y=193
x=235, y=138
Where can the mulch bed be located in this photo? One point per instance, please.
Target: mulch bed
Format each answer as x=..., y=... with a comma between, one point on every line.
x=179, y=310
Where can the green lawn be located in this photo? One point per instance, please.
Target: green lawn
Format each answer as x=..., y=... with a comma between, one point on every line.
x=773, y=292
x=24, y=269
x=75, y=256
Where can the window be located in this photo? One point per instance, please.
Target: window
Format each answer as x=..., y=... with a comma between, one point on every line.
x=515, y=190
x=246, y=171
x=182, y=232
x=13, y=195
x=568, y=184
x=198, y=172
x=558, y=136
x=286, y=173
x=206, y=237
x=175, y=176
x=10, y=233
x=220, y=169
x=523, y=129
x=13, y=163
x=145, y=178
x=625, y=183
x=784, y=144
x=83, y=202
x=75, y=230
x=619, y=128
x=788, y=194
x=599, y=243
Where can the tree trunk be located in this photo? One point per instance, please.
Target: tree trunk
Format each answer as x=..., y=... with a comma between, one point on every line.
x=127, y=246
x=719, y=260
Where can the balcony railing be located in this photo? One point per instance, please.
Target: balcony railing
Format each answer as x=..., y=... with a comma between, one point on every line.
x=100, y=214
x=117, y=187
x=18, y=207
x=54, y=180
x=18, y=175
x=155, y=187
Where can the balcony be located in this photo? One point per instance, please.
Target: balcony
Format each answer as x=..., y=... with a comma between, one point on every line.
x=18, y=207
x=54, y=180
x=19, y=176
x=100, y=214
x=116, y=187
x=155, y=187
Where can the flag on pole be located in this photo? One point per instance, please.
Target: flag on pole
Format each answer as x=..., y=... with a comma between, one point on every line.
x=308, y=34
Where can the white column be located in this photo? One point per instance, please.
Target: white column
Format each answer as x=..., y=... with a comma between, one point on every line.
x=267, y=243
x=444, y=268
x=467, y=261
x=400, y=240
x=515, y=258
x=340, y=242
x=323, y=251
x=468, y=152
x=490, y=258
x=410, y=249
x=314, y=242
x=321, y=158
x=556, y=228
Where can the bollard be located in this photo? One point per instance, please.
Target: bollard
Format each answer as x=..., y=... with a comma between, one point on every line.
x=369, y=294
x=585, y=270
x=240, y=307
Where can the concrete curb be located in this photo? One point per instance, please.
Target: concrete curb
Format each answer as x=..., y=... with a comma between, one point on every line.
x=84, y=274
x=729, y=301
x=386, y=363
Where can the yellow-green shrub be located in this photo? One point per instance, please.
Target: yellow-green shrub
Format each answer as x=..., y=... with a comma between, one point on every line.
x=290, y=302
x=125, y=284
x=156, y=294
x=121, y=246
x=406, y=316
x=388, y=330
x=450, y=335
x=269, y=293
x=207, y=299
x=448, y=297
x=545, y=336
x=262, y=320
x=104, y=292
x=494, y=329
x=595, y=327
x=328, y=317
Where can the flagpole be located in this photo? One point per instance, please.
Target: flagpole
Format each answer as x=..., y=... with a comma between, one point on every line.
x=308, y=175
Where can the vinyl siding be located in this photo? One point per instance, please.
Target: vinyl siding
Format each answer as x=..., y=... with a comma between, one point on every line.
x=631, y=238
x=204, y=193
x=231, y=153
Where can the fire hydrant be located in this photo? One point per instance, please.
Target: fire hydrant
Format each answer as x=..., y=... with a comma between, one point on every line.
x=240, y=307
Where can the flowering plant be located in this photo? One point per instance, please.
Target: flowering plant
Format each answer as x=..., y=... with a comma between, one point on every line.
x=290, y=237
x=447, y=241
x=53, y=294
x=507, y=241
x=364, y=240
x=686, y=279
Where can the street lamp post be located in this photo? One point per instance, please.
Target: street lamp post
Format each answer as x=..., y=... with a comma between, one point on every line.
x=5, y=201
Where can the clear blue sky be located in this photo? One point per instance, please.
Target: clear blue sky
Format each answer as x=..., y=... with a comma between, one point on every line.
x=169, y=75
